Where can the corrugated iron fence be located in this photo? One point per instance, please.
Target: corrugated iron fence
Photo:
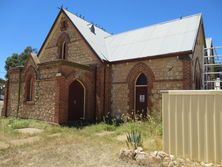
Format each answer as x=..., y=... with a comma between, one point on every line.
x=192, y=124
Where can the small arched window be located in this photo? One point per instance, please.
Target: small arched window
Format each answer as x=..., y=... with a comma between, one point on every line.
x=29, y=89
x=141, y=80
x=63, y=46
x=63, y=51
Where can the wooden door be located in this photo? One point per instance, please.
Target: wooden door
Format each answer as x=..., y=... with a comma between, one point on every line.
x=76, y=101
x=141, y=100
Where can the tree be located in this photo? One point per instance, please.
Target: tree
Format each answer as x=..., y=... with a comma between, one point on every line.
x=2, y=81
x=18, y=59
x=2, y=88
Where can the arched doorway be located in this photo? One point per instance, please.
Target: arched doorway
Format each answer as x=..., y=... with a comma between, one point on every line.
x=141, y=94
x=76, y=101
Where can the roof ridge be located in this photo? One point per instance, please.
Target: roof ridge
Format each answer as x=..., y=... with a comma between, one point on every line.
x=156, y=24
x=90, y=22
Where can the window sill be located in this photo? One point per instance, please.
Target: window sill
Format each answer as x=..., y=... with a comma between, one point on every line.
x=29, y=102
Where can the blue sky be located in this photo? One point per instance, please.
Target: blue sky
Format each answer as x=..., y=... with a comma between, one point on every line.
x=27, y=22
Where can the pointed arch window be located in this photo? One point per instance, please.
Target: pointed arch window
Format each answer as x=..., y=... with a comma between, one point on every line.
x=63, y=46
x=140, y=95
x=29, y=89
x=63, y=51
x=141, y=80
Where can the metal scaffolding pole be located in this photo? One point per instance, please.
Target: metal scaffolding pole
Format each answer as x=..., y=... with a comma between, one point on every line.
x=212, y=67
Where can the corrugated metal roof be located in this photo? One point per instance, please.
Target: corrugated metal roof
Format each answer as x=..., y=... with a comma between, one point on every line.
x=164, y=38
x=170, y=37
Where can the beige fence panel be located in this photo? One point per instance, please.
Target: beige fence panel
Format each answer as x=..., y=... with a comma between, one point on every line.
x=192, y=124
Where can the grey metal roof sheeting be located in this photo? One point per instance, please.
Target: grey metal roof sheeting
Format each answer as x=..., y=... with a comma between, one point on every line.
x=169, y=37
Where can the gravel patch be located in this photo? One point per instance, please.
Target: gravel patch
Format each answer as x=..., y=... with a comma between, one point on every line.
x=55, y=135
x=121, y=137
x=30, y=131
x=30, y=140
x=105, y=133
x=3, y=145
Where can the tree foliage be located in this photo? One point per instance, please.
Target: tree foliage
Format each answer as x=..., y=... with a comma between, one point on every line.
x=2, y=81
x=18, y=59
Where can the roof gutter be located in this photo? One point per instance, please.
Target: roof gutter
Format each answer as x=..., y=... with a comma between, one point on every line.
x=184, y=53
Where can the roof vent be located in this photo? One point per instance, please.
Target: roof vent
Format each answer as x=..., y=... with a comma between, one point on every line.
x=92, y=29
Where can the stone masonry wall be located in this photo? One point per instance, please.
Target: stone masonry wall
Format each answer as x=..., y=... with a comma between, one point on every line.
x=43, y=104
x=198, y=56
x=107, y=85
x=78, y=49
x=168, y=74
x=78, y=52
x=50, y=102
x=13, y=94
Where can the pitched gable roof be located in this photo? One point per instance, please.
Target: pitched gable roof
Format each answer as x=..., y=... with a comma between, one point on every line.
x=96, y=40
x=160, y=39
x=165, y=38
x=169, y=37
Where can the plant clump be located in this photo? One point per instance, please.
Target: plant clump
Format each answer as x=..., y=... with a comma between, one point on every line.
x=134, y=139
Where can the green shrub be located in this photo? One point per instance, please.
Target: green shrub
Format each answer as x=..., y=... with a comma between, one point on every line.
x=18, y=123
x=110, y=128
x=134, y=139
x=116, y=119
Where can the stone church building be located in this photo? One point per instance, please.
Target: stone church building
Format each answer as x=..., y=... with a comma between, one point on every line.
x=84, y=72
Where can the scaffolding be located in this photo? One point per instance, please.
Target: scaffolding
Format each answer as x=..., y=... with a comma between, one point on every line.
x=212, y=68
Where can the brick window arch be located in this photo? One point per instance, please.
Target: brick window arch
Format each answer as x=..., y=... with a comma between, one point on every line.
x=140, y=73
x=62, y=45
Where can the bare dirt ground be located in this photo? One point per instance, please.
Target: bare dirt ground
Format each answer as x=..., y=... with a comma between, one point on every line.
x=30, y=143
x=57, y=153
x=30, y=130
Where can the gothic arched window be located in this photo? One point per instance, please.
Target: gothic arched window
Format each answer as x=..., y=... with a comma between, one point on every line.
x=63, y=50
x=141, y=80
x=29, y=89
x=63, y=46
x=140, y=94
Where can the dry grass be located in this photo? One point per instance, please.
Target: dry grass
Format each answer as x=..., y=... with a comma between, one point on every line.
x=63, y=146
